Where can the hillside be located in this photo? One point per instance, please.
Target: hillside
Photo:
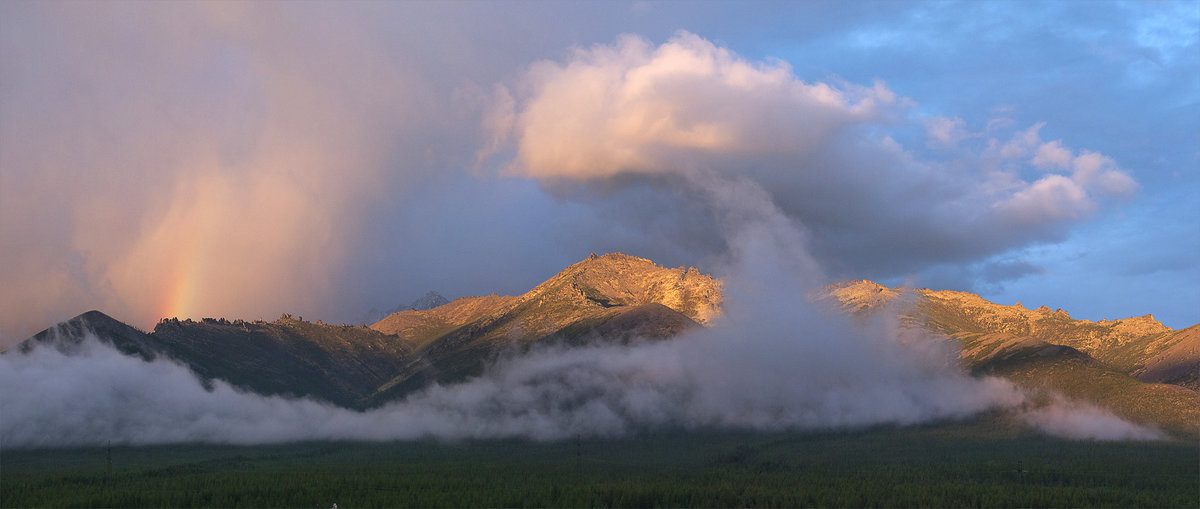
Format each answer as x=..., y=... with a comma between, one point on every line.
x=1136, y=367
x=337, y=363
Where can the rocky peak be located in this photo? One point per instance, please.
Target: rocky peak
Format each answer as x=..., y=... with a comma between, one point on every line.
x=616, y=279
x=1138, y=325
x=861, y=294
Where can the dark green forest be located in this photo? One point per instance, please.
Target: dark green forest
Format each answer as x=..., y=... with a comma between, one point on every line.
x=960, y=465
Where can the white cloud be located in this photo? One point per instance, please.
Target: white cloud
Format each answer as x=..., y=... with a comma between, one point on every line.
x=1050, y=198
x=633, y=108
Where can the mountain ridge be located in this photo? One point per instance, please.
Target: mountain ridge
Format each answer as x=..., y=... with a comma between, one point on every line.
x=1140, y=346
x=1136, y=366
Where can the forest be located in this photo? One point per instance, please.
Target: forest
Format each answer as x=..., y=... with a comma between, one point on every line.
x=962, y=465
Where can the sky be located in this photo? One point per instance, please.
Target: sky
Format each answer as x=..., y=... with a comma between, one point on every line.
x=244, y=160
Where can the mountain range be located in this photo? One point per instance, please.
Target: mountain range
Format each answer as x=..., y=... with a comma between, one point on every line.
x=1135, y=367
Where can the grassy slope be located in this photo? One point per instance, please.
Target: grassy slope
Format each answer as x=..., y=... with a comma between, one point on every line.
x=944, y=465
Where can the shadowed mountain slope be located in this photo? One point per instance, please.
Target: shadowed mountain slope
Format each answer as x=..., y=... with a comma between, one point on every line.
x=68, y=335
x=338, y=363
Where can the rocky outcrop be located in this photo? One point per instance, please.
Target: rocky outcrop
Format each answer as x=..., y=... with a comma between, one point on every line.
x=1140, y=346
x=613, y=297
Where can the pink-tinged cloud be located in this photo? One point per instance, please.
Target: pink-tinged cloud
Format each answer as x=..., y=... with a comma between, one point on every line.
x=1100, y=172
x=1052, y=155
x=633, y=108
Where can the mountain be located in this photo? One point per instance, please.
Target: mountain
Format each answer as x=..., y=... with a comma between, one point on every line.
x=1135, y=367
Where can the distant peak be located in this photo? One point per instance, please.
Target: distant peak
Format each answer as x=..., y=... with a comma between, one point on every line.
x=431, y=300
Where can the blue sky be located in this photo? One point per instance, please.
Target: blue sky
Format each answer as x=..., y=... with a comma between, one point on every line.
x=245, y=160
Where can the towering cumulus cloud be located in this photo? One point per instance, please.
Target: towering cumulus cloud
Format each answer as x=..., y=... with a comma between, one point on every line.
x=829, y=155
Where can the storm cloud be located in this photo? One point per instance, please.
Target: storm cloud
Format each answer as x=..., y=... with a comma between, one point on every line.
x=187, y=159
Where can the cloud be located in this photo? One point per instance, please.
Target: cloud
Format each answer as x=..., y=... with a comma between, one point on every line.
x=1052, y=155
x=944, y=131
x=633, y=115
x=638, y=109
x=1098, y=171
x=1050, y=198
x=1090, y=170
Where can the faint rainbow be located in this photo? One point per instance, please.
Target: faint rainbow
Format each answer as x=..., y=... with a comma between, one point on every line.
x=183, y=283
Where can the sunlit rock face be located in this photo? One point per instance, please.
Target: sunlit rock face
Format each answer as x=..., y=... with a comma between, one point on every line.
x=616, y=279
